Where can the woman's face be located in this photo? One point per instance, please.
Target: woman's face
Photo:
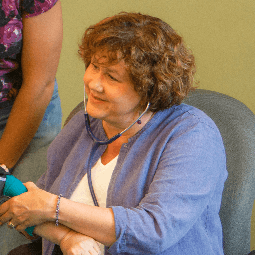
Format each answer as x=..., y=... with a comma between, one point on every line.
x=111, y=94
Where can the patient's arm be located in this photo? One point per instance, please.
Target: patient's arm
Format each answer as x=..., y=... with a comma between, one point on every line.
x=71, y=242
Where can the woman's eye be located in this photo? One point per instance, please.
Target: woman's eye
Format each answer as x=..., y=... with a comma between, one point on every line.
x=94, y=66
x=112, y=78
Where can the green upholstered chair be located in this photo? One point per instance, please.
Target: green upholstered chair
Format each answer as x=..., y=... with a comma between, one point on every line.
x=237, y=126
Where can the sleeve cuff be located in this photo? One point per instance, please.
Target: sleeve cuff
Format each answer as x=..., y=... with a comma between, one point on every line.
x=120, y=228
x=39, y=8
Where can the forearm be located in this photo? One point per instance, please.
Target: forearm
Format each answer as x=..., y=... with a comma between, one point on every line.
x=23, y=122
x=42, y=42
x=92, y=221
x=51, y=232
x=67, y=239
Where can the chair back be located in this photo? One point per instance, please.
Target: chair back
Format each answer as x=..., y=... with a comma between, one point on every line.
x=237, y=127
x=78, y=107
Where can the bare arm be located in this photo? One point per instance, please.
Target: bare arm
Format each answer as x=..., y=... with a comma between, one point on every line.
x=42, y=39
x=70, y=241
x=38, y=207
x=96, y=222
x=52, y=233
x=92, y=221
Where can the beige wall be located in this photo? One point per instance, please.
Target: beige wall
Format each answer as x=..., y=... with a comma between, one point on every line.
x=220, y=33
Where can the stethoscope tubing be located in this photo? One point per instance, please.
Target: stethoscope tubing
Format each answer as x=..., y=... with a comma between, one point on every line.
x=92, y=153
x=98, y=142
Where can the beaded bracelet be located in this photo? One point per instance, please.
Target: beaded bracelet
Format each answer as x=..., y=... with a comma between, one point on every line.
x=57, y=209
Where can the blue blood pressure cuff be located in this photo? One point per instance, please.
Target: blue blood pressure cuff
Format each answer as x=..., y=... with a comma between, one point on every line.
x=10, y=186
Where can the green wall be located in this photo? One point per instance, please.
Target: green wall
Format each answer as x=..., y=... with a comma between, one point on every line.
x=220, y=33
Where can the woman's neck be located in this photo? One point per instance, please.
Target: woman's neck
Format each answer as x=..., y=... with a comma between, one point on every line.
x=113, y=149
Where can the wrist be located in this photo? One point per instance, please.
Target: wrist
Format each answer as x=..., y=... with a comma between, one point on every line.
x=4, y=167
x=52, y=203
x=49, y=231
x=7, y=159
x=65, y=237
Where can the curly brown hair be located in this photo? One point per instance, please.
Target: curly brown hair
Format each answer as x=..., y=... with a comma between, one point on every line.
x=160, y=66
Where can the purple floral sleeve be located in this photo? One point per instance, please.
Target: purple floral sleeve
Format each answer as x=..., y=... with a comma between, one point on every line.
x=36, y=7
x=11, y=27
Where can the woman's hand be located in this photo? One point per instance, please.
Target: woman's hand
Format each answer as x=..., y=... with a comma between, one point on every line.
x=31, y=208
x=75, y=243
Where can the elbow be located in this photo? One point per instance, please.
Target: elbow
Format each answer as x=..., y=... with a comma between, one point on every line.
x=131, y=245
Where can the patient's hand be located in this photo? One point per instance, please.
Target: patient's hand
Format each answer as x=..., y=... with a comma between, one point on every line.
x=75, y=243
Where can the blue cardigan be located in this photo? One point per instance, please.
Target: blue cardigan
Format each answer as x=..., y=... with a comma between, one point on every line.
x=166, y=188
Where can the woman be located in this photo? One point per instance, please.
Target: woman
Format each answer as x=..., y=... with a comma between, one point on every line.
x=30, y=112
x=159, y=184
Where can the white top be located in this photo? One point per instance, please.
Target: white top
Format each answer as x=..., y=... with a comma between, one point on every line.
x=100, y=176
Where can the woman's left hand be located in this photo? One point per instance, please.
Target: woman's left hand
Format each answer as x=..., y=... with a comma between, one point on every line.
x=31, y=208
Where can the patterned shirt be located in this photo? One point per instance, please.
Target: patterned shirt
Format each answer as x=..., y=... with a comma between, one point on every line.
x=11, y=12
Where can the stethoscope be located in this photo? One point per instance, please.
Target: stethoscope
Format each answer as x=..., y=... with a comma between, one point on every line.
x=98, y=142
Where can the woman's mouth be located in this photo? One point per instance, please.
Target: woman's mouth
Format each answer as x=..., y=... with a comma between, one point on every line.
x=96, y=99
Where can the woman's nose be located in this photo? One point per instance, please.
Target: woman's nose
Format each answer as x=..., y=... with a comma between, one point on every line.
x=96, y=84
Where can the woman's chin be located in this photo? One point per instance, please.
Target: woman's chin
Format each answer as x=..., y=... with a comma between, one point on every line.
x=95, y=113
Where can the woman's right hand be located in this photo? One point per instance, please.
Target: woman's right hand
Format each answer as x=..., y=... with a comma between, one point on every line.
x=78, y=244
